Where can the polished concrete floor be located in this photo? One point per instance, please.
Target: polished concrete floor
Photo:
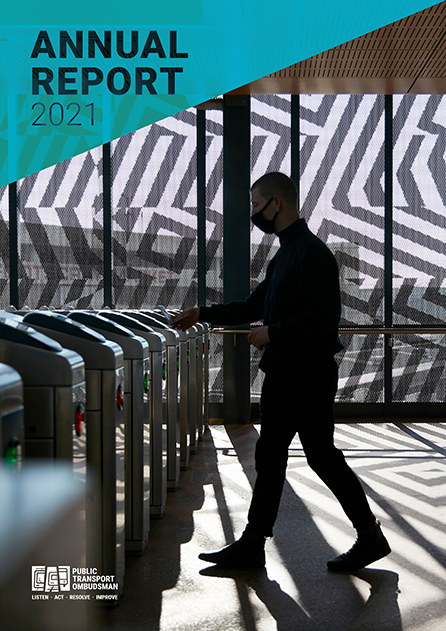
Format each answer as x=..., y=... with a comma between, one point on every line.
x=403, y=469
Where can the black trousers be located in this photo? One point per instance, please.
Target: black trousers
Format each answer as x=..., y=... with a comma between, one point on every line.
x=302, y=404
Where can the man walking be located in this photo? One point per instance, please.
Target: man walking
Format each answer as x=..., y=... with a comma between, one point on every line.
x=299, y=303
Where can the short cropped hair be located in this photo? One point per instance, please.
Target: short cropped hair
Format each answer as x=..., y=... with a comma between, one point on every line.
x=275, y=183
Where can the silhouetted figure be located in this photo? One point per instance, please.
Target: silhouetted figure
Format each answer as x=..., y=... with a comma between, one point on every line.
x=299, y=303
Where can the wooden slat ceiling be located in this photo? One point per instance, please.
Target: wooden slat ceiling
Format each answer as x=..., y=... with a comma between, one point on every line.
x=408, y=56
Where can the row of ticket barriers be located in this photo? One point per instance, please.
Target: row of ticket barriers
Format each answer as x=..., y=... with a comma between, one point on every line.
x=121, y=396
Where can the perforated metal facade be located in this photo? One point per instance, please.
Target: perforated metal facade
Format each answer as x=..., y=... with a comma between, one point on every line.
x=342, y=190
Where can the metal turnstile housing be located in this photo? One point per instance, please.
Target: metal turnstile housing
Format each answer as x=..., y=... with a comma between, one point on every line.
x=193, y=399
x=12, y=428
x=137, y=419
x=175, y=347
x=183, y=401
x=206, y=351
x=104, y=371
x=193, y=388
x=200, y=354
x=54, y=392
x=158, y=428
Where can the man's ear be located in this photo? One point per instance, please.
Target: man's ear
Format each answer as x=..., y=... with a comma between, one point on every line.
x=278, y=201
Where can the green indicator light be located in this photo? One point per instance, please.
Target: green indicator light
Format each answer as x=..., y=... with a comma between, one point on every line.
x=178, y=363
x=146, y=382
x=196, y=348
x=12, y=453
x=164, y=370
x=187, y=356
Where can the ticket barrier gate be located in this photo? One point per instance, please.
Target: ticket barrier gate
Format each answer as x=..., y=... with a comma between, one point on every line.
x=175, y=347
x=12, y=429
x=137, y=425
x=183, y=399
x=205, y=330
x=193, y=389
x=158, y=428
x=54, y=393
x=200, y=353
x=193, y=380
x=197, y=418
x=104, y=371
x=183, y=402
x=203, y=406
x=206, y=350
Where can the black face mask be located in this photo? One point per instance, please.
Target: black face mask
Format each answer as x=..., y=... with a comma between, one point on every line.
x=266, y=225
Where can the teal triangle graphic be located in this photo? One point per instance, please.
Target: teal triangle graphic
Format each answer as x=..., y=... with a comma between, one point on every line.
x=68, y=84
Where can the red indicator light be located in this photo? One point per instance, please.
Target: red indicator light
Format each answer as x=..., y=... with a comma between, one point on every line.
x=120, y=398
x=79, y=419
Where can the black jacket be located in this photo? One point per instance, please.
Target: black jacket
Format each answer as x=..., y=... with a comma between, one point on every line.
x=299, y=300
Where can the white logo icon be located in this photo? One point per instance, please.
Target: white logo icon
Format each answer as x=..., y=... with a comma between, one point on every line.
x=50, y=578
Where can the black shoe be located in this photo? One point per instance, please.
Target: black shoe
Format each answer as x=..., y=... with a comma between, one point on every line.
x=245, y=553
x=369, y=547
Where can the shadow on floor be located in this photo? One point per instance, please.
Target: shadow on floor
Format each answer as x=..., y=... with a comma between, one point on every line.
x=379, y=613
x=323, y=597
x=158, y=569
x=294, y=593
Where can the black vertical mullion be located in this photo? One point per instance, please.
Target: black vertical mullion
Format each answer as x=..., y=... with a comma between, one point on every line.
x=295, y=143
x=388, y=253
x=201, y=205
x=107, y=223
x=236, y=252
x=13, y=246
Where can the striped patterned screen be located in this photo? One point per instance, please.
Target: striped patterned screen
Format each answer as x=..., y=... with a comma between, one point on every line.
x=419, y=250
x=60, y=234
x=154, y=215
x=270, y=151
x=342, y=199
x=214, y=241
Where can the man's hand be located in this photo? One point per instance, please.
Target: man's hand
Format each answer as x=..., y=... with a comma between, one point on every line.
x=186, y=319
x=259, y=337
